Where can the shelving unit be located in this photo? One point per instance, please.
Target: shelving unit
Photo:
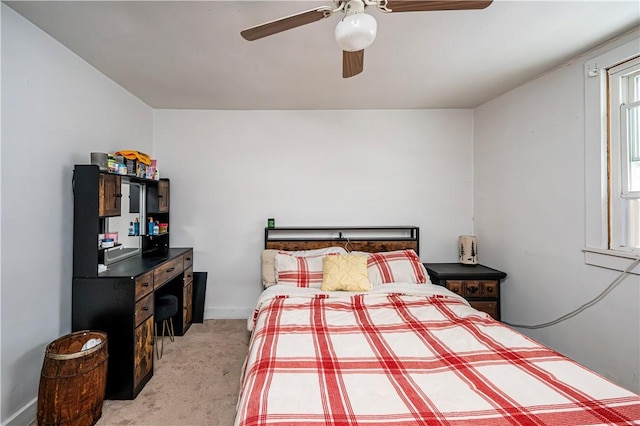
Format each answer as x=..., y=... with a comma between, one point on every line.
x=120, y=300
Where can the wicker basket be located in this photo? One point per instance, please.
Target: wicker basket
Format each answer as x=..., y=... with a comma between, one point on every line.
x=73, y=381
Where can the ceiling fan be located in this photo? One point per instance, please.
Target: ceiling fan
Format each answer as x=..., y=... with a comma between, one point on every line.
x=356, y=30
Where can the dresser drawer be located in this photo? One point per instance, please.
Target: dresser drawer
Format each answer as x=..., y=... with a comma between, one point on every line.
x=144, y=284
x=167, y=271
x=473, y=288
x=188, y=276
x=187, y=259
x=144, y=309
x=187, y=309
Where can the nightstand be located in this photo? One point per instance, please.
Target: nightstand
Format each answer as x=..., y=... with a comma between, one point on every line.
x=479, y=284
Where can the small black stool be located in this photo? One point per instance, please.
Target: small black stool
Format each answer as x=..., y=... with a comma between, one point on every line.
x=166, y=307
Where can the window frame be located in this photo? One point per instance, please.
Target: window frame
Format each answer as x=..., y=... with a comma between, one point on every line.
x=620, y=84
x=597, y=249
x=622, y=95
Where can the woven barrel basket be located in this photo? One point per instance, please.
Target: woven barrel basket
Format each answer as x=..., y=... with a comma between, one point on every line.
x=73, y=381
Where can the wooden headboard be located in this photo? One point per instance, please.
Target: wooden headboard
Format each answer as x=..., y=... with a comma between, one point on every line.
x=357, y=238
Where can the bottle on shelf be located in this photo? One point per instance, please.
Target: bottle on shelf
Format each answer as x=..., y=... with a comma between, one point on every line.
x=131, y=231
x=150, y=226
x=156, y=228
x=136, y=227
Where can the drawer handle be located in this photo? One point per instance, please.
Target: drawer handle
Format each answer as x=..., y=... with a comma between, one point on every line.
x=146, y=285
x=489, y=289
x=171, y=269
x=455, y=290
x=472, y=289
x=188, y=259
x=146, y=308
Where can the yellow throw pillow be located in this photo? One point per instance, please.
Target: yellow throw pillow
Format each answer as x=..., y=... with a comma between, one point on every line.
x=347, y=272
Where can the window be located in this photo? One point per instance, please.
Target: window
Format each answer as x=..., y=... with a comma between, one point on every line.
x=624, y=156
x=611, y=154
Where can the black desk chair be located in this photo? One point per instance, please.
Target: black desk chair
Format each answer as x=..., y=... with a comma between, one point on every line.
x=166, y=307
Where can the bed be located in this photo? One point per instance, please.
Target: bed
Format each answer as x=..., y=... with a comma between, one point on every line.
x=402, y=352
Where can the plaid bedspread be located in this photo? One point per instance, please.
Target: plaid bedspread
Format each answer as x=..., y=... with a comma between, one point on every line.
x=414, y=356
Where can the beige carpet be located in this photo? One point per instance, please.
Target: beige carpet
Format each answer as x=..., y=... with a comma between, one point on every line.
x=195, y=383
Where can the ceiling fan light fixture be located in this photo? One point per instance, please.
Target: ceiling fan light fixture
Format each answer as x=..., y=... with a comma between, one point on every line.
x=356, y=32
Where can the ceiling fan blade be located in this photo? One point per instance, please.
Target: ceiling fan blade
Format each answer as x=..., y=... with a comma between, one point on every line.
x=352, y=63
x=286, y=23
x=430, y=5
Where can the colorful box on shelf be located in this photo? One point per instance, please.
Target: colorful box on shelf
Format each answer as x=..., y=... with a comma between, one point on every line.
x=113, y=236
x=137, y=163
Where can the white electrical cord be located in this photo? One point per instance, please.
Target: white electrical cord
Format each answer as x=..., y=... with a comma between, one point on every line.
x=592, y=302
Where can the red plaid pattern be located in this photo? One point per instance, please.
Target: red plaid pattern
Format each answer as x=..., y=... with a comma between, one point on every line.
x=398, y=359
x=401, y=266
x=300, y=271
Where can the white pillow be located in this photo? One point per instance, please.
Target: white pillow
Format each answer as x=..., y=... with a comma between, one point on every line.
x=268, y=258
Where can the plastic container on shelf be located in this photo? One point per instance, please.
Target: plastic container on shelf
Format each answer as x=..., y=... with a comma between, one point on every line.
x=108, y=243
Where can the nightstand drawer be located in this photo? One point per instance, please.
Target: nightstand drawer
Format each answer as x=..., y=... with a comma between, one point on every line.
x=489, y=307
x=473, y=288
x=490, y=288
x=455, y=286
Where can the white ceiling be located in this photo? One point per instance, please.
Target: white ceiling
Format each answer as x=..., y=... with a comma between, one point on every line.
x=189, y=54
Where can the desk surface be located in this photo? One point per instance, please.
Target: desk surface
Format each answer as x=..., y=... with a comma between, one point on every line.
x=137, y=265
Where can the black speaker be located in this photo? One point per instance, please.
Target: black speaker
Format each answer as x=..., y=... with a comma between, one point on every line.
x=199, y=290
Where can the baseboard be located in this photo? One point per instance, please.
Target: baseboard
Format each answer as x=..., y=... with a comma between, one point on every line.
x=227, y=313
x=25, y=416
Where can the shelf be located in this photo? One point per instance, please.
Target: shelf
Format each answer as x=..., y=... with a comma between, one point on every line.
x=152, y=236
x=131, y=177
x=341, y=234
x=107, y=248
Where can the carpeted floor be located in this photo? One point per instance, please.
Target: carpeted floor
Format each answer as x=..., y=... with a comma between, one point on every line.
x=194, y=384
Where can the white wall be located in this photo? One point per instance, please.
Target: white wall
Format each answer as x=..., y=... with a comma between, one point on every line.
x=529, y=199
x=56, y=109
x=231, y=170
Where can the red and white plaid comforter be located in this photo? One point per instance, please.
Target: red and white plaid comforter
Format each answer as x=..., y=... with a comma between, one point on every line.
x=418, y=355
